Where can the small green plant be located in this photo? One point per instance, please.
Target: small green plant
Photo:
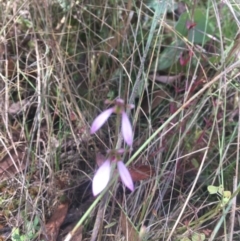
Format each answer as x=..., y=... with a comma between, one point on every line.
x=32, y=228
x=194, y=29
x=195, y=237
x=219, y=190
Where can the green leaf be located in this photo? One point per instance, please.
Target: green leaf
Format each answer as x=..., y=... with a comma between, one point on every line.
x=226, y=197
x=198, y=237
x=16, y=235
x=221, y=189
x=110, y=225
x=110, y=95
x=199, y=33
x=65, y=4
x=170, y=55
x=212, y=189
x=25, y=23
x=181, y=27
x=195, y=163
x=35, y=221
x=227, y=194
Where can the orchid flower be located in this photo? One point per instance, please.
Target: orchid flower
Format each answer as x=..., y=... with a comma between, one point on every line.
x=102, y=176
x=126, y=127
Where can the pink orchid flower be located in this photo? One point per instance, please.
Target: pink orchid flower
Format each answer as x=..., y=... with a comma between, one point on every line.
x=102, y=176
x=126, y=127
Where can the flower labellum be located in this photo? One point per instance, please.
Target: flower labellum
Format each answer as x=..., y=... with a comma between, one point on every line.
x=101, y=178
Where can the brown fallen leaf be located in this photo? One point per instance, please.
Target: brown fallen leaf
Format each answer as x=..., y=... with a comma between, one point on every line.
x=10, y=67
x=72, y=116
x=78, y=234
x=141, y=172
x=18, y=107
x=53, y=225
x=12, y=163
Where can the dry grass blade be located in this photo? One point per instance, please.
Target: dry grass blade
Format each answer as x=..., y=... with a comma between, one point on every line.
x=99, y=221
x=127, y=228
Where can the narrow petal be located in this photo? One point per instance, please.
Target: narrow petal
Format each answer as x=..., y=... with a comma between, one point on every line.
x=101, y=178
x=127, y=129
x=100, y=120
x=125, y=175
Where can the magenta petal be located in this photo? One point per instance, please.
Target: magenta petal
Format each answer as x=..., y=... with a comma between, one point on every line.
x=101, y=178
x=125, y=175
x=100, y=120
x=127, y=129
